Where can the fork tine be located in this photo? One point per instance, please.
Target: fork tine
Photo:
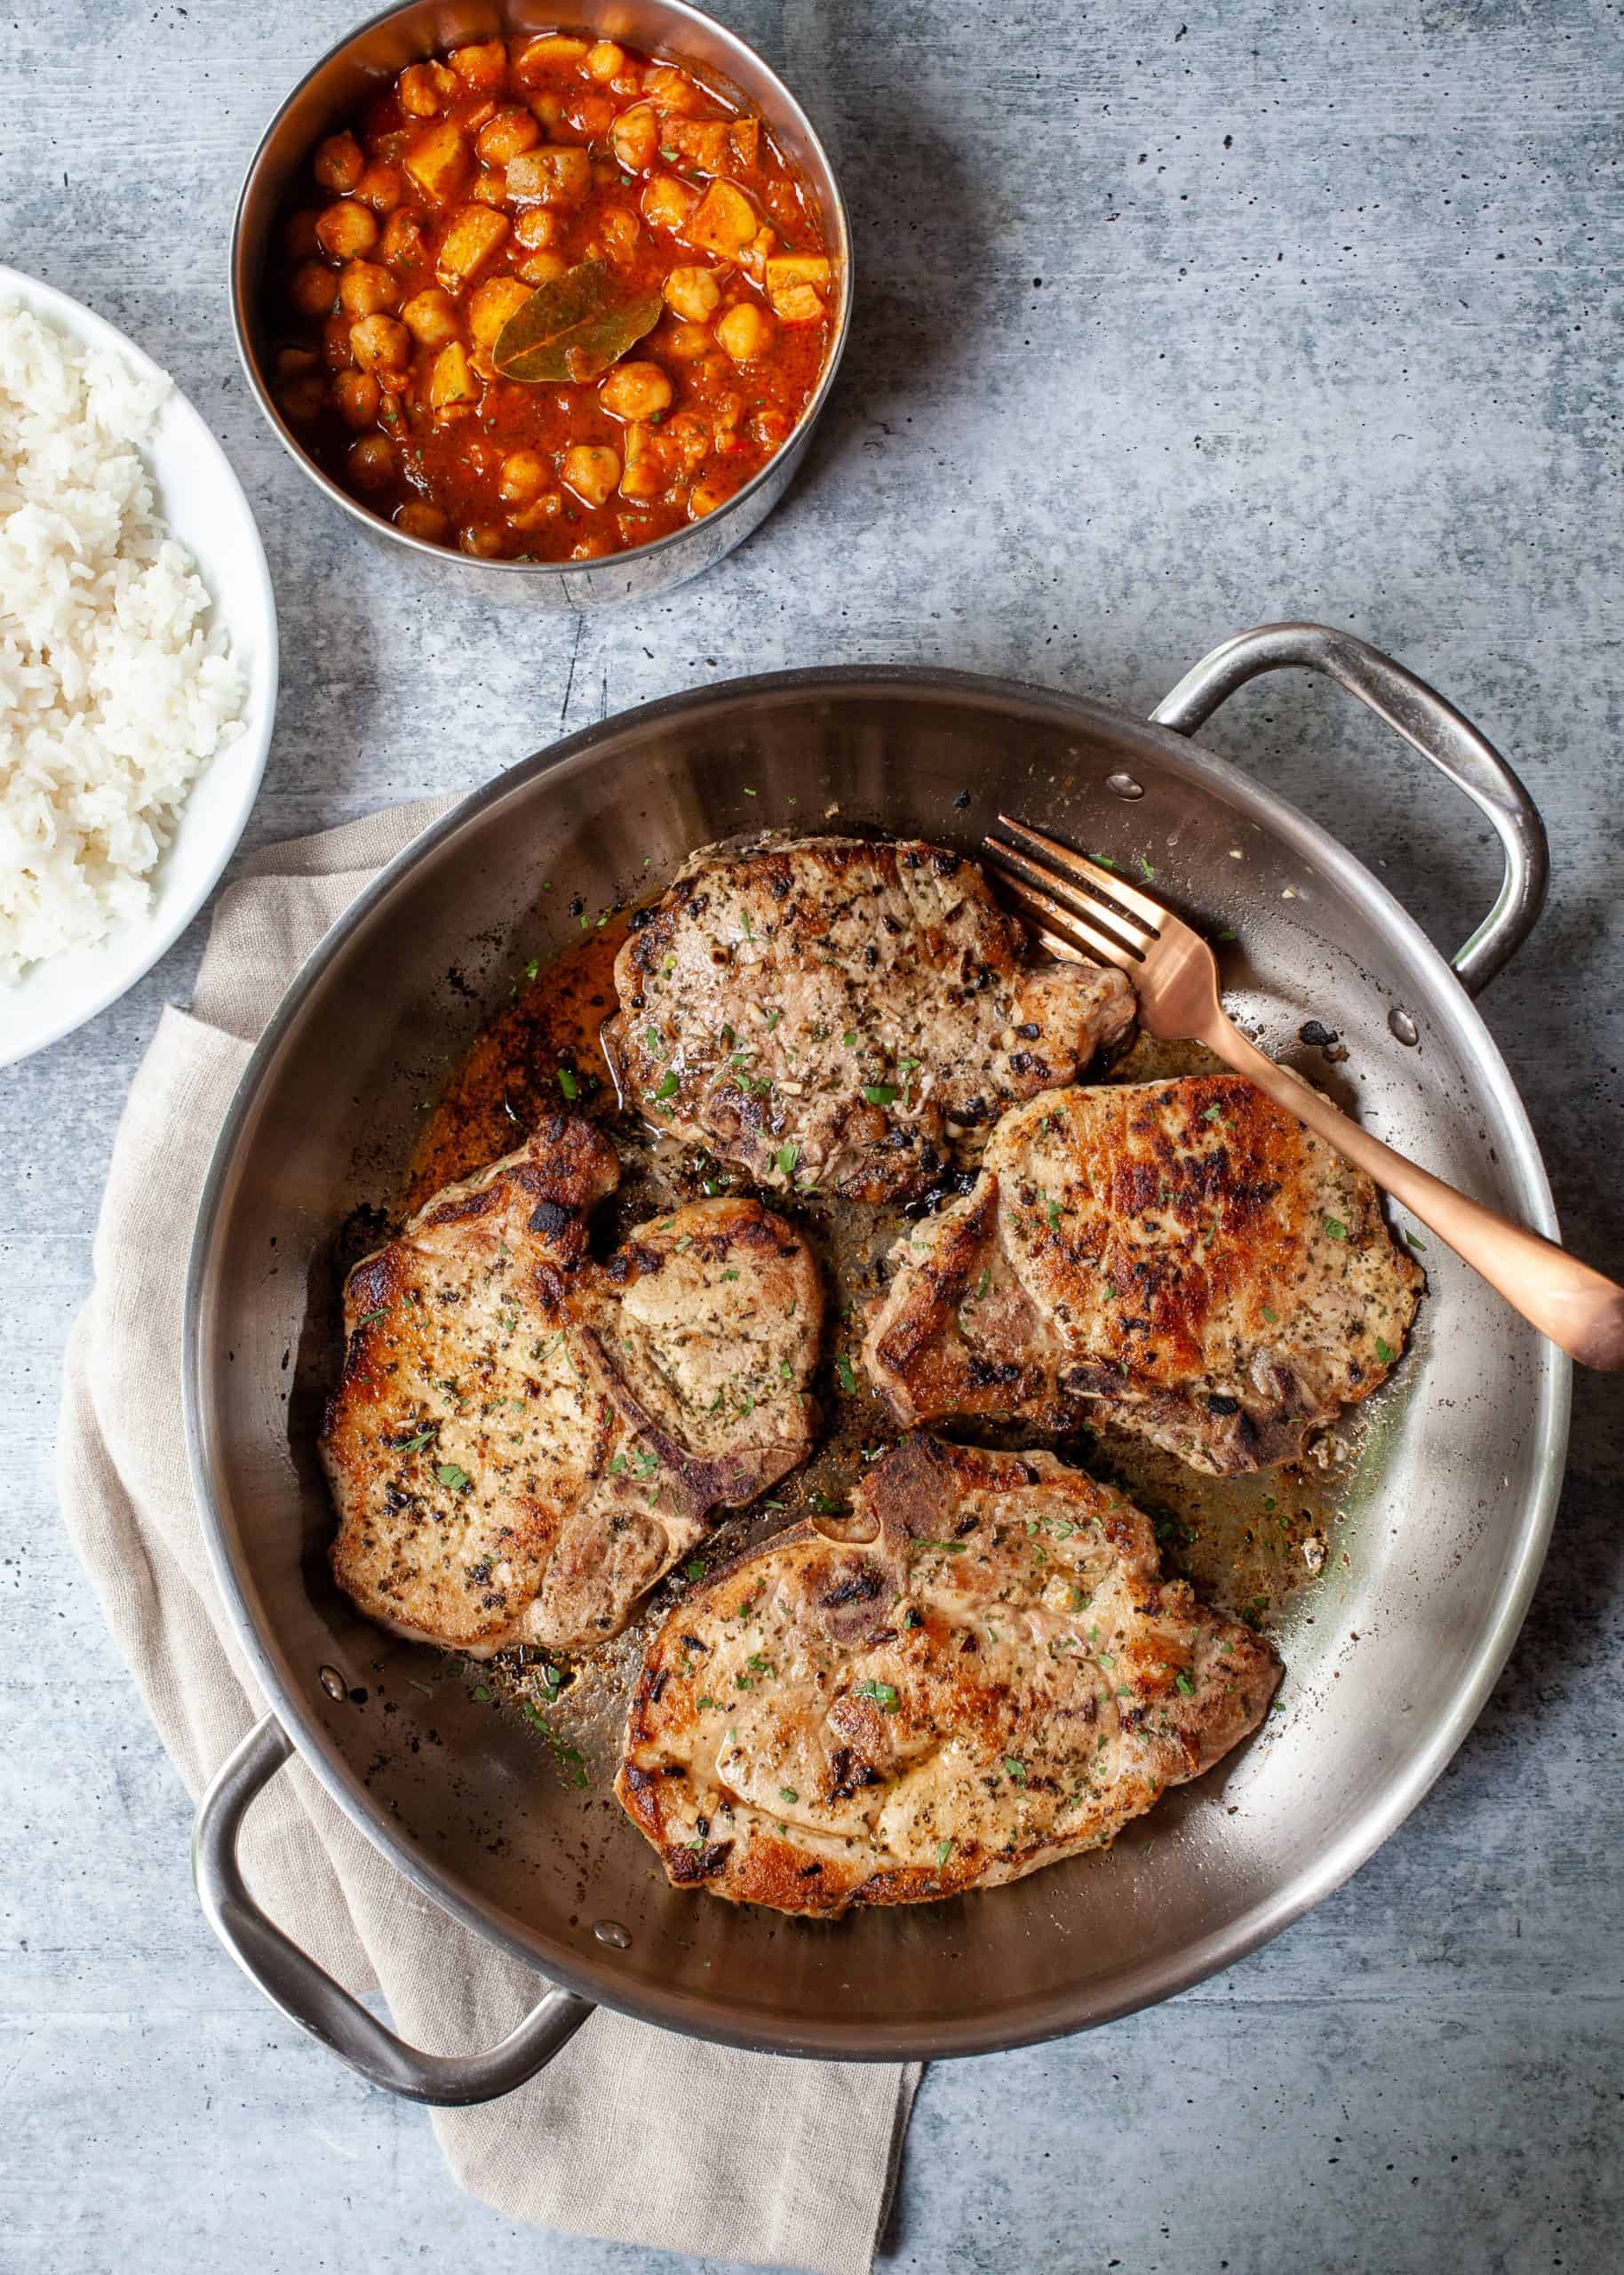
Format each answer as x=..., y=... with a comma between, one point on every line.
x=1079, y=905
x=1059, y=928
x=1077, y=868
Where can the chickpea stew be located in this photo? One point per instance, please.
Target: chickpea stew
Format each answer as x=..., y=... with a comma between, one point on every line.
x=510, y=187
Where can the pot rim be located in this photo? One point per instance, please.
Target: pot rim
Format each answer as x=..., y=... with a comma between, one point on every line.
x=836, y=2038
x=836, y=220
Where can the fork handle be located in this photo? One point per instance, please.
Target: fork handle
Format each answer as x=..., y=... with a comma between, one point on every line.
x=1581, y=1311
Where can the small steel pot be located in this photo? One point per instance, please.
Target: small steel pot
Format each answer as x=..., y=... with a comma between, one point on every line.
x=331, y=91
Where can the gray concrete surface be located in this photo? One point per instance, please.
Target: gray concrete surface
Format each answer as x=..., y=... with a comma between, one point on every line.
x=1171, y=320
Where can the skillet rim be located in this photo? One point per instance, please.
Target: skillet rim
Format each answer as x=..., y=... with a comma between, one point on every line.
x=1147, y=1984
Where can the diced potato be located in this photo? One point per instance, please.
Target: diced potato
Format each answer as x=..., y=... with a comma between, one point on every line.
x=699, y=142
x=482, y=67
x=670, y=90
x=592, y=471
x=371, y=462
x=693, y=294
x=753, y=258
x=723, y=222
x=314, y=290
x=635, y=137
x=508, y=135
x=380, y=344
x=431, y=316
x=535, y=227
x=770, y=429
x=690, y=437
x=468, y=244
x=339, y=164
x=418, y=518
x=548, y=108
x=490, y=190
x=590, y=114
x=492, y=307
x=745, y=333
x=636, y=390
x=358, y=396
x=419, y=92
x=524, y=476
x=364, y=288
x=745, y=136
x=451, y=381
x=546, y=509
x=648, y=464
x=799, y=305
x=667, y=203
x=786, y=268
x=438, y=161
x=483, y=539
x=402, y=242
x=538, y=56
x=703, y=499
x=347, y=230
x=604, y=59
x=560, y=174
x=381, y=186
x=542, y=267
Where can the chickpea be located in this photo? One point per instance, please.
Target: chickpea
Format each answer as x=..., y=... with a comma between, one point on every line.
x=420, y=94
x=365, y=288
x=419, y=519
x=524, y=477
x=371, y=462
x=769, y=429
x=537, y=227
x=604, y=61
x=688, y=435
x=490, y=190
x=703, y=499
x=304, y=399
x=482, y=67
x=634, y=137
x=346, y=230
x=688, y=342
x=745, y=331
x=380, y=344
x=339, y=164
x=402, y=242
x=358, y=396
x=506, y=136
x=431, y=316
x=381, y=188
x=593, y=547
x=635, y=391
x=293, y=363
x=547, y=507
x=335, y=342
x=667, y=203
x=693, y=294
x=592, y=471
x=620, y=234
x=314, y=290
x=299, y=239
x=480, y=538
x=548, y=108
x=492, y=307
x=591, y=116
x=542, y=267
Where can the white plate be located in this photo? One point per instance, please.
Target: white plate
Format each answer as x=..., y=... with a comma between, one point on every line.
x=202, y=501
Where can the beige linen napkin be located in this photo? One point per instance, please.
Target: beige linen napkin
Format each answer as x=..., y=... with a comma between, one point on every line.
x=631, y=2133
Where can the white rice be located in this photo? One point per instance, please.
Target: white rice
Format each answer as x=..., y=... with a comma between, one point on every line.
x=113, y=694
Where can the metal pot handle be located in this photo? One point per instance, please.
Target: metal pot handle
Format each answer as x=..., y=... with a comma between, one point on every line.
x=307, y=1995
x=1428, y=724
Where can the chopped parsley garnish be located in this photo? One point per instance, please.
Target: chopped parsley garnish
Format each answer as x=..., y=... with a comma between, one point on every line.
x=884, y=1694
x=772, y=1018
x=618, y=1466
x=1335, y=1230
x=1051, y=1210
x=664, y=1088
x=824, y=1504
x=1016, y=1768
x=879, y=1093
x=1182, y=1682
x=985, y=1282
x=1271, y=1315
x=1415, y=1241
x=842, y=1367
x=567, y=1083
x=1213, y=1113
x=531, y=969
x=449, y=1473
x=945, y=1849
x=731, y=1273
x=786, y=1158
x=745, y=921
x=424, y=1438
x=1149, y=872
x=695, y=1567
x=644, y=1462
x=704, y=1704
x=651, y=1037
x=1385, y=1351
x=367, y=1318
x=788, y=1793
x=850, y=1038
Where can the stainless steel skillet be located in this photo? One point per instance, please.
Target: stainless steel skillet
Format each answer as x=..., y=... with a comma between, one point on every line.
x=1437, y=1554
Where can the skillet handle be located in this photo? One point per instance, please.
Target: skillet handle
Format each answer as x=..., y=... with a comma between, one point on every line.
x=290, y=1978
x=1429, y=725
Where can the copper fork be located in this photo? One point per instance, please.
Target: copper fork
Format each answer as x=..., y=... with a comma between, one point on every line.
x=1082, y=911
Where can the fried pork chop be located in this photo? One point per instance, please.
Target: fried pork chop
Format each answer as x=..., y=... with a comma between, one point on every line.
x=1184, y=1253
x=834, y=1013
x=997, y=1678
x=523, y=1440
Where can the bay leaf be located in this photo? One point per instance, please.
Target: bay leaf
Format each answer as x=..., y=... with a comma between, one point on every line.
x=574, y=328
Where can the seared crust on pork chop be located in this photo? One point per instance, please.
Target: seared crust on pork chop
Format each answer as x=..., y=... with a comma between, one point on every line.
x=1184, y=1253
x=996, y=1679
x=523, y=1440
x=829, y=1012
